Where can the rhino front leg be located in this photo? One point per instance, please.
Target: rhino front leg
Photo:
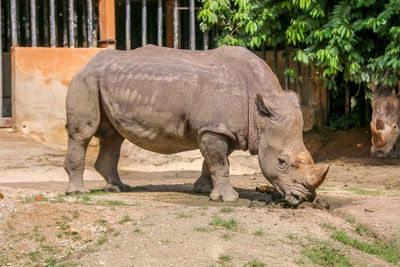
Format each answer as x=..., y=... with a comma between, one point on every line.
x=204, y=183
x=107, y=162
x=215, y=149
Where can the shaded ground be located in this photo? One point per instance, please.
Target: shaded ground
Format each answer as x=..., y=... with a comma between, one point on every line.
x=163, y=223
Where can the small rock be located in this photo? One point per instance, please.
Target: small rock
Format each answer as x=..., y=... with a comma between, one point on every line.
x=73, y=231
x=102, y=263
x=1, y=196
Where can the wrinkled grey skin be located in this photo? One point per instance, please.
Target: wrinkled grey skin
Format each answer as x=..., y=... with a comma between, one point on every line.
x=385, y=122
x=168, y=101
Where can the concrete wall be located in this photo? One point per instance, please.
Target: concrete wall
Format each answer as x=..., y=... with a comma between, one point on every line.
x=40, y=78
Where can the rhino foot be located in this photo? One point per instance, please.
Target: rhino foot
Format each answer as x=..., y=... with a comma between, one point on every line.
x=203, y=185
x=117, y=188
x=224, y=193
x=72, y=190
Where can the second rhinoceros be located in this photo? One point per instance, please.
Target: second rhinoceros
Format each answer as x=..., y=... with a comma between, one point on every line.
x=169, y=100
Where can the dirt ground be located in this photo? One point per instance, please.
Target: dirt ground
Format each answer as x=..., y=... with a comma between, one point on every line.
x=163, y=223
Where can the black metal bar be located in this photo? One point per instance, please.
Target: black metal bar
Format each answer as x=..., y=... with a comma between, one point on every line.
x=26, y=23
x=75, y=23
x=144, y=22
x=53, y=35
x=205, y=40
x=71, y=25
x=1, y=67
x=175, y=23
x=65, y=23
x=14, y=37
x=45, y=16
x=90, y=22
x=7, y=43
x=33, y=24
x=275, y=61
x=159, y=21
x=192, y=32
x=83, y=24
x=128, y=25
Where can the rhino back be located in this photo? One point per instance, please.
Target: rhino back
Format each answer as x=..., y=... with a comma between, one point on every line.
x=161, y=98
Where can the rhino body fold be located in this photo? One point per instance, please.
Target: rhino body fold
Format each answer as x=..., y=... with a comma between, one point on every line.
x=168, y=101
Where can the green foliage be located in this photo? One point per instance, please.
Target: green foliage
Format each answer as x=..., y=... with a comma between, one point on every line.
x=387, y=251
x=230, y=224
x=343, y=122
x=323, y=254
x=358, y=39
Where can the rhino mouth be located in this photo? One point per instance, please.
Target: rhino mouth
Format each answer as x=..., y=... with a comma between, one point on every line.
x=294, y=199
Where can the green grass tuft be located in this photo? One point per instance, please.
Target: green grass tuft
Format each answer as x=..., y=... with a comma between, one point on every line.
x=323, y=254
x=254, y=263
x=387, y=251
x=225, y=258
x=350, y=219
x=102, y=240
x=259, y=232
x=125, y=219
x=226, y=210
x=230, y=224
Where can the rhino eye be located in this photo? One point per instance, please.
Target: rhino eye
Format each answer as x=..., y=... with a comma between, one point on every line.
x=283, y=162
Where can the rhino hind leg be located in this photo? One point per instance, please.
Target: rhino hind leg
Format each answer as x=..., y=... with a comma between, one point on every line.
x=107, y=160
x=204, y=183
x=215, y=149
x=74, y=164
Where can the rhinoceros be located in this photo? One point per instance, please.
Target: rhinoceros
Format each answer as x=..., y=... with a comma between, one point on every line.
x=169, y=100
x=385, y=122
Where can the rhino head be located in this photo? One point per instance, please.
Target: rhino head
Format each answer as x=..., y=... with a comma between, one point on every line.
x=385, y=121
x=282, y=155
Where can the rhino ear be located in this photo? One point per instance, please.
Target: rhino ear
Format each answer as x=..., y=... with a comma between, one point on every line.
x=262, y=108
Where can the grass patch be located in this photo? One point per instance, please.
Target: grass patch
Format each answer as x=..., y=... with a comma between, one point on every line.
x=371, y=192
x=202, y=229
x=183, y=215
x=363, y=230
x=50, y=262
x=226, y=210
x=324, y=254
x=101, y=222
x=292, y=236
x=226, y=236
x=125, y=219
x=68, y=264
x=34, y=255
x=137, y=231
x=328, y=226
x=387, y=251
x=225, y=258
x=254, y=263
x=259, y=232
x=102, y=240
x=350, y=219
x=230, y=224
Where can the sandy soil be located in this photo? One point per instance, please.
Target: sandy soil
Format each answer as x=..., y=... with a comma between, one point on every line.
x=163, y=223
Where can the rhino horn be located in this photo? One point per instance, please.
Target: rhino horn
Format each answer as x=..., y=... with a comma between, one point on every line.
x=319, y=175
x=377, y=139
